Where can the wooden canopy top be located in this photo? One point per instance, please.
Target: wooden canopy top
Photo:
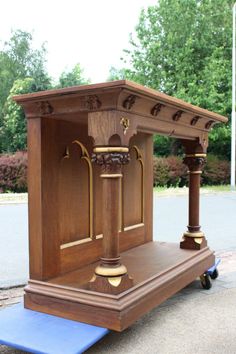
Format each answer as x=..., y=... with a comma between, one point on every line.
x=122, y=96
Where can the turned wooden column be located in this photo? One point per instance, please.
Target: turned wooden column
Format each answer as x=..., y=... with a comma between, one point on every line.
x=111, y=275
x=194, y=238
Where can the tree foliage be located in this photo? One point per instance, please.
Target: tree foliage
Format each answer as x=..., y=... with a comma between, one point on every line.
x=13, y=132
x=183, y=48
x=22, y=70
x=19, y=60
x=73, y=77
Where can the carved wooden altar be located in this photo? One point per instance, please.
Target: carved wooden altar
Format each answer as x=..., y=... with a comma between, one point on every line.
x=92, y=254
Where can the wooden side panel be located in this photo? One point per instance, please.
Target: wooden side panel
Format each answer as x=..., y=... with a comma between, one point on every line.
x=35, y=199
x=43, y=192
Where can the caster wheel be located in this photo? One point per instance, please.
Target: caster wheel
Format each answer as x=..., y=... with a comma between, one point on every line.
x=206, y=281
x=215, y=274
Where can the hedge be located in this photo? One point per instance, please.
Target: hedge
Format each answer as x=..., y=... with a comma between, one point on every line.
x=168, y=171
x=13, y=172
x=171, y=172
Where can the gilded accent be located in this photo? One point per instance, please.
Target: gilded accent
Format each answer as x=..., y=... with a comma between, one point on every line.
x=67, y=153
x=195, y=155
x=85, y=156
x=195, y=172
x=112, y=175
x=140, y=159
x=111, y=149
x=194, y=234
x=125, y=124
x=110, y=272
x=198, y=240
x=75, y=243
x=93, y=279
x=132, y=227
x=98, y=237
x=115, y=281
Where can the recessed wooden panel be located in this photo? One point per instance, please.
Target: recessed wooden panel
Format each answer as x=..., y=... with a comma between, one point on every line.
x=133, y=183
x=74, y=206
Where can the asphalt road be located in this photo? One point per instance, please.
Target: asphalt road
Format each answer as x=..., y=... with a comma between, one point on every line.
x=218, y=220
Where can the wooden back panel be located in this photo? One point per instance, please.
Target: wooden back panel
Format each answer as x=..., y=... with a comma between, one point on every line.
x=70, y=212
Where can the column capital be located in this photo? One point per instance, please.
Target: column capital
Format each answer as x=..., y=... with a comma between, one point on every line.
x=111, y=158
x=195, y=162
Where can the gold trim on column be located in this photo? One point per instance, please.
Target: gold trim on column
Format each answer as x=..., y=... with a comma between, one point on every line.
x=195, y=155
x=111, y=149
x=114, y=175
x=195, y=172
x=110, y=272
x=194, y=234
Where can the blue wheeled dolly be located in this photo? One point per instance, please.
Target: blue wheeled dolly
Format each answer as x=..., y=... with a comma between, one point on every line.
x=211, y=273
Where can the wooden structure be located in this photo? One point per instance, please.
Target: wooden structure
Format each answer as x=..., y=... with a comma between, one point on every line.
x=92, y=255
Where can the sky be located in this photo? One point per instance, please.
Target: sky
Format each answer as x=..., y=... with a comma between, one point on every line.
x=90, y=32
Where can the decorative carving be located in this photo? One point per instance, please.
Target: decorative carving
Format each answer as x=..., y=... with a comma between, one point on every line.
x=177, y=115
x=129, y=101
x=91, y=102
x=156, y=109
x=195, y=163
x=45, y=108
x=125, y=124
x=209, y=124
x=195, y=120
x=111, y=159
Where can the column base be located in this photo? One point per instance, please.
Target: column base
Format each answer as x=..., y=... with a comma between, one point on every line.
x=193, y=241
x=110, y=285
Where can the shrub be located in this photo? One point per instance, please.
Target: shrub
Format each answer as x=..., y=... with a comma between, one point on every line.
x=13, y=172
x=171, y=172
x=161, y=171
x=216, y=171
x=178, y=172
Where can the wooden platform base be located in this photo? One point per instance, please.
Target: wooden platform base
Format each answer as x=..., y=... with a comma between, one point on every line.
x=159, y=270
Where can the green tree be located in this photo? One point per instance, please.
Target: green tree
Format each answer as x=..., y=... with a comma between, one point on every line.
x=18, y=60
x=183, y=48
x=13, y=131
x=118, y=74
x=73, y=77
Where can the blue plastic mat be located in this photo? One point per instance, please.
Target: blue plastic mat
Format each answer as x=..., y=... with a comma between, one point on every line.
x=45, y=334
